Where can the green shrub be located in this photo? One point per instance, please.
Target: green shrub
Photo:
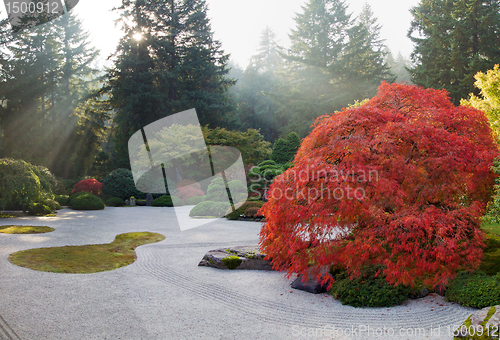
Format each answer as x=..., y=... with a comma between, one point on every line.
x=62, y=199
x=167, y=201
x=85, y=201
x=216, y=191
x=163, y=201
x=241, y=208
x=474, y=289
x=74, y=196
x=262, y=175
x=52, y=204
x=193, y=200
x=368, y=290
x=22, y=184
x=141, y=203
x=209, y=208
x=115, y=202
x=177, y=201
x=120, y=183
x=39, y=209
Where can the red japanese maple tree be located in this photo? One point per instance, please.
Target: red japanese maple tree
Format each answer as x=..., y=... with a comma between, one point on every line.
x=89, y=185
x=400, y=181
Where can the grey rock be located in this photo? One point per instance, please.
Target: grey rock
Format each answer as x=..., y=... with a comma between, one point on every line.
x=476, y=319
x=310, y=286
x=420, y=293
x=250, y=256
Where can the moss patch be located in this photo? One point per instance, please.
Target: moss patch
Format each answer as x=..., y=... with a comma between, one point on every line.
x=491, y=261
x=24, y=229
x=232, y=262
x=85, y=259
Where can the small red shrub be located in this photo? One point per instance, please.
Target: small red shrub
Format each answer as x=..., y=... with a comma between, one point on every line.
x=89, y=185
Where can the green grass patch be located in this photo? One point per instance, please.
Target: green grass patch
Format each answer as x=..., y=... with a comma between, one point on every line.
x=85, y=259
x=491, y=227
x=24, y=229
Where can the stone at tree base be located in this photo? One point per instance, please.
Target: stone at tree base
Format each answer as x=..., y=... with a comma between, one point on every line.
x=310, y=286
x=250, y=256
x=477, y=320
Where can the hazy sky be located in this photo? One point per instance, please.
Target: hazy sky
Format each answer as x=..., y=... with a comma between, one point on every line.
x=238, y=23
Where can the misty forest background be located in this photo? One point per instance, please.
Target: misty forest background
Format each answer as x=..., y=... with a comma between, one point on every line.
x=58, y=110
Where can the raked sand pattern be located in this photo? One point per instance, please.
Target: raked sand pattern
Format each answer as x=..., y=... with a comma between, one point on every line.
x=165, y=295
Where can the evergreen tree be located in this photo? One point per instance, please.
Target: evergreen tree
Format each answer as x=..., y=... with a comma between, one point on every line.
x=46, y=78
x=175, y=65
x=333, y=61
x=260, y=79
x=399, y=67
x=453, y=41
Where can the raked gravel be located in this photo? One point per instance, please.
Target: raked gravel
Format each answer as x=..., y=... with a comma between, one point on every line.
x=165, y=295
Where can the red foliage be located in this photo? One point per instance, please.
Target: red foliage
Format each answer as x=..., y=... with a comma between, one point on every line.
x=400, y=181
x=188, y=188
x=89, y=185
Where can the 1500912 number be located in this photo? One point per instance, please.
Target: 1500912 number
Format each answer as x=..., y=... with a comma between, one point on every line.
x=32, y=8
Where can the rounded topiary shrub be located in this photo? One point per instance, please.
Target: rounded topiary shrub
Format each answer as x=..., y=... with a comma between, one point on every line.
x=85, y=201
x=241, y=208
x=62, y=199
x=193, y=200
x=120, y=183
x=115, y=202
x=39, y=209
x=216, y=191
x=209, y=208
x=368, y=290
x=22, y=184
x=474, y=289
x=167, y=201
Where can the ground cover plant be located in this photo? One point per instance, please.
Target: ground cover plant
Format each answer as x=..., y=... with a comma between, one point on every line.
x=85, y=259
x=24, y=229
x=399, y=181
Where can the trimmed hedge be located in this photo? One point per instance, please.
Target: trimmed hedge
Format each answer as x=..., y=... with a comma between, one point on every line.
x=115, y=202
x=241, y=208
x=209, y=208
x=85, y=201
x=474, y=289
x=167, y=201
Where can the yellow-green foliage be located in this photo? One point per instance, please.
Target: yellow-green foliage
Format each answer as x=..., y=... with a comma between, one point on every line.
x=489, y=101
